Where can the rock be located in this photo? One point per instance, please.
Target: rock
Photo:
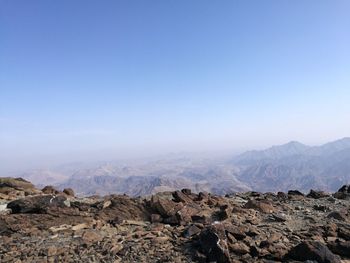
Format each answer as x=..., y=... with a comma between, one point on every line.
x=262, y=206
x=339, y=247
x=164, y=207
x=295, y=192
x=313, y=250
x=11, y=188
x=156, y=218
x=186, y=191
x=69, y=192
x=337, y=215
x=239, y=248
x=51, y=251
x=191, y=231
x=343, y=192
x=37, y=204
x=279, y=217
x=214, y=244
x=50, y=190
x=282, y=195
x=317, y=194
x=180, y=196
x=185, y=213
x=90, y=237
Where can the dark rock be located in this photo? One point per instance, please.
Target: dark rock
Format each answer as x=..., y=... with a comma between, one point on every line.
x=186, y=191
x=191, y=231
x=339, y=247
x=337, y=215
x=69, y=191
x=295, y=192
x=282, y=195
x=344, y=231
x=213, y=243
x=313, y=250
x=4, y=228
x=36, y=204
x=317, y=194
x=343, y=192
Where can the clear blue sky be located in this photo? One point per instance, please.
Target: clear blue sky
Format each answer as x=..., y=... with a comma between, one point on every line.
x=127, y=77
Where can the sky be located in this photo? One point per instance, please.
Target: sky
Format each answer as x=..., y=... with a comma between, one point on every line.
x=104, y=79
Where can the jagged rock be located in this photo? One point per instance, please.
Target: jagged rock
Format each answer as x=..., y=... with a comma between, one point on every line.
x=37, y=204
x=179, y=196
x=262, y=206
x=69, y=191
x=317, y=194
x=214, y=244
x=313, y=250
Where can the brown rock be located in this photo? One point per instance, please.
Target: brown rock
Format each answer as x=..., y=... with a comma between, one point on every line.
x=90, y=237
x=68, y=191
x=49, y=189
x=262, y=206
x=313, y=250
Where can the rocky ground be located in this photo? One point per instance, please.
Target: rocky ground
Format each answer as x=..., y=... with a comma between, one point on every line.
x=52, y=226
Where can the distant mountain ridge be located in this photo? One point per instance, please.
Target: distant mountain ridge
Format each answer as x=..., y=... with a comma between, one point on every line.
x=295, y=165
x=279, y=168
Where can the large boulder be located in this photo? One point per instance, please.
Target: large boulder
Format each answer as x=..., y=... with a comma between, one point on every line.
x=313, y=250
x=343, y=192
x=37, y=204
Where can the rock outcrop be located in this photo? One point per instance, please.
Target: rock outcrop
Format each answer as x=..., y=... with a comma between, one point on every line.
x=178, y=226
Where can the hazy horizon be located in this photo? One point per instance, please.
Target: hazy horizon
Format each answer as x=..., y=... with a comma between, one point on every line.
x=118, y=79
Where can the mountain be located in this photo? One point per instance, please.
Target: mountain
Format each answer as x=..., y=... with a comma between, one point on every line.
x=295, y=165
x=272, y=153
x=279, y=168
x=154, y=178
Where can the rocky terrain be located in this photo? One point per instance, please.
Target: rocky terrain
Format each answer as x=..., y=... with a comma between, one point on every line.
x=48, y=225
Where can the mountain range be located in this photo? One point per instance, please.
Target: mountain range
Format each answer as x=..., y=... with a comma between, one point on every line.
x=278, y=168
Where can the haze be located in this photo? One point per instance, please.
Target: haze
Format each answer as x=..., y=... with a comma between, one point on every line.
x=122, y=79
